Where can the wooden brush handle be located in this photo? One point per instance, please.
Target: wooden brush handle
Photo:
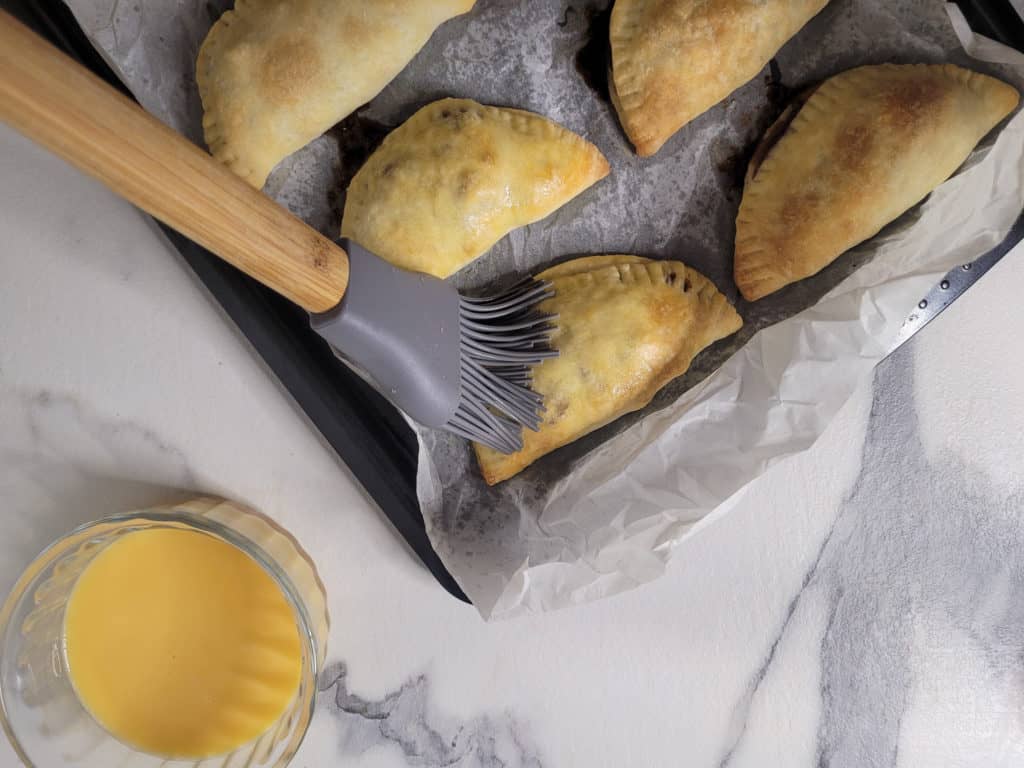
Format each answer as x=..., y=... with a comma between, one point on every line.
x=59, y=104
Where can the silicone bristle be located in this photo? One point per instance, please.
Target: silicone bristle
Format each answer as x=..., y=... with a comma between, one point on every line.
x=502, y=337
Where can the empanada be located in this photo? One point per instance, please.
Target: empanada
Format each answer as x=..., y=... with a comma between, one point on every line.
x=457, y=176
x=865, y=146
x=275, y=74
x=672, y=60
x=626, y=327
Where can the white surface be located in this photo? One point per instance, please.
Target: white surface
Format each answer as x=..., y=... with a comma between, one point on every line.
x=833, y=615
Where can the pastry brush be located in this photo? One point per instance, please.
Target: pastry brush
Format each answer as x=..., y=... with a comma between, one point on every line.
x=449, y=361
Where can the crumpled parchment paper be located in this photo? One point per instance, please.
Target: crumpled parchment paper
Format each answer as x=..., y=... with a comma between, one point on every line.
x=603, y=514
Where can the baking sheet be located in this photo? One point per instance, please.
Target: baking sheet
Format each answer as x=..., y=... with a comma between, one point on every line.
x=603, y=514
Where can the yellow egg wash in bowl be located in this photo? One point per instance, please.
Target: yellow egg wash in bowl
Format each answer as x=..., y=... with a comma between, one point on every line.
x=180, y=644
x=161, y=638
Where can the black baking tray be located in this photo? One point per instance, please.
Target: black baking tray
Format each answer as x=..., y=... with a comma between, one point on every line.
x=366, y=431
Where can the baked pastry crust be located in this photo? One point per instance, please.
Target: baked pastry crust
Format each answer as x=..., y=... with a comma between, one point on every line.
x=457, y=176
x=867, y=145
x=626, y=327
x=672, y=60
x=275, y=74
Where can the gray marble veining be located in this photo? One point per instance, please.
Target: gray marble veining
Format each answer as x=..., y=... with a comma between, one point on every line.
x=919, y=548
x=406, y=719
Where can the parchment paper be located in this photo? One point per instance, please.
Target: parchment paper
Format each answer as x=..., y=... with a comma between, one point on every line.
x=603, y=514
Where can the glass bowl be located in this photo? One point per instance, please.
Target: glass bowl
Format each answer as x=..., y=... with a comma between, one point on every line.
x=39, y=710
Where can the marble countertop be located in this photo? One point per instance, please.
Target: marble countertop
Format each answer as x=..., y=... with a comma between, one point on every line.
x=861, y=605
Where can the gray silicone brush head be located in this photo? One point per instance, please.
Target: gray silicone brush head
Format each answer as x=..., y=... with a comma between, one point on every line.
x=449, y=361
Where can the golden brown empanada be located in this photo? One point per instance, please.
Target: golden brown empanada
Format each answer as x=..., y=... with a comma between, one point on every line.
x=457, y=176
x=275, y=74
x=672, y=60
x=867, y=145
x=626, y=327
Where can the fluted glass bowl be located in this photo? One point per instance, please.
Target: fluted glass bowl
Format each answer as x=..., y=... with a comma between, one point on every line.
x=39, y=710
